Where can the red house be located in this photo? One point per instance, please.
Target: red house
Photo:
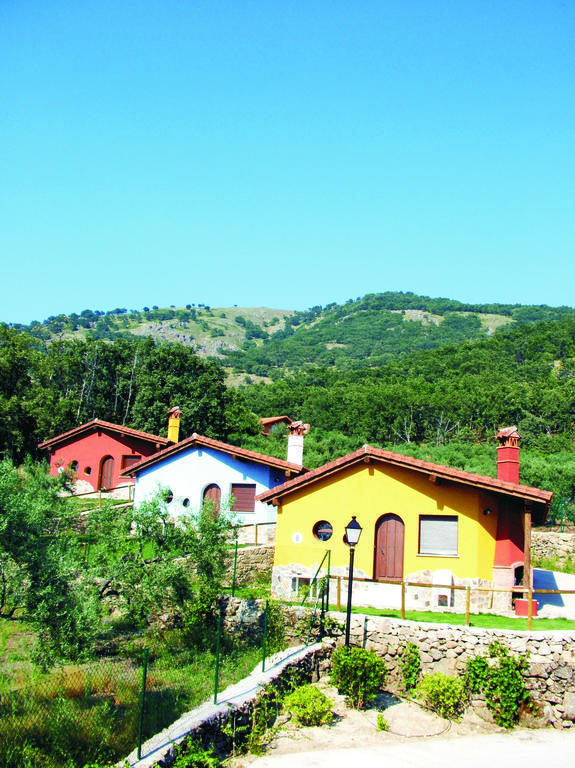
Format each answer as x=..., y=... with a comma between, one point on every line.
x=97, y=452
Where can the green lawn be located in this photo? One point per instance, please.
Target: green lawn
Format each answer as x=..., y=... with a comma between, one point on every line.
x=485, y=620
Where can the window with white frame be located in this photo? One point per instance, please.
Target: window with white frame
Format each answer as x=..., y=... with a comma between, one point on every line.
x=438, y=535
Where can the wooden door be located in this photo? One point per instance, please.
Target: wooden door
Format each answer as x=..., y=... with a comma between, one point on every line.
x=106, y=473
x=213, y=494
x=388, y=555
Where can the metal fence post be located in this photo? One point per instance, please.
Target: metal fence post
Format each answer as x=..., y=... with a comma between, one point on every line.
x=235, y=570
x=142, y=704
x=328, y=578
x=218, y=641
x=265, y=636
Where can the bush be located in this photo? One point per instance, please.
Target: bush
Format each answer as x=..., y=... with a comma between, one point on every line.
x=309, y=706
x=410, y=665
x=502, y=683
x=357, y=673
x=444, y=694
x=382, y=724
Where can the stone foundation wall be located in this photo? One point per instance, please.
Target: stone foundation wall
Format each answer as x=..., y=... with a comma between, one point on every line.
x=554, y=545
x=288, y=581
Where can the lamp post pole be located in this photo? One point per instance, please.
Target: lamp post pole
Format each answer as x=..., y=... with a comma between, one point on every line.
x=349, y=588
x=352, y=533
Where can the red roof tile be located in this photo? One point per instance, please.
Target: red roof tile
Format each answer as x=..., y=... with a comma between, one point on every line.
x=388, y=457
x=207, y=442
x=99, y=424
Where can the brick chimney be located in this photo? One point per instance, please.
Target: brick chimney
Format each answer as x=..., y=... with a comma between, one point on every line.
x=508, y=455
x=297, y=429
x=174, y=416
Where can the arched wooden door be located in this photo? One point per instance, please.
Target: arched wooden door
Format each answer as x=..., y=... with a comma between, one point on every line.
x=213, y=494
x=106, y=473
x=388, y=555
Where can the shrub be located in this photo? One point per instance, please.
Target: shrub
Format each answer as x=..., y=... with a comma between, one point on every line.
x=502, y=683
x=382, y=724
x=444, y=694
x=194, y=755
x=410, y=665
x=309, y=706
x=357, y=673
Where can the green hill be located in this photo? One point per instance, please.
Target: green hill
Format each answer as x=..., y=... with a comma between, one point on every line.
x=367, y=332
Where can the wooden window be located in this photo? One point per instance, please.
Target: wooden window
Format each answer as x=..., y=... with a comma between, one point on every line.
x=438, y=535
x=244, y=496
x=129, y=461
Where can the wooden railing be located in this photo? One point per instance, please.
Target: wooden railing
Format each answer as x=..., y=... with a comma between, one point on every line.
x=256, y=527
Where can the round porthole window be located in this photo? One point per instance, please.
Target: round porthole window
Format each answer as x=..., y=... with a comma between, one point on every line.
x=323, y=530
x=169, y=497
x=88, y=471
x=186, y=502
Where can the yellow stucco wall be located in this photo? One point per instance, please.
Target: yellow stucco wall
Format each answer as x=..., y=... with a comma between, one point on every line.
x=370, y=491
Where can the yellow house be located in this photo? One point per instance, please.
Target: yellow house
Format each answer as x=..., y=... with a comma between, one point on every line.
x=416, y=517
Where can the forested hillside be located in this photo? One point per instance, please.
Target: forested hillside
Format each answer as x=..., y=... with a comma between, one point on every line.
x=365, y=332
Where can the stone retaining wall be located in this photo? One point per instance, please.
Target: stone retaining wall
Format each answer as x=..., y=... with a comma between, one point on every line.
x=444, y=648
x=252, y=562
x=553, y=545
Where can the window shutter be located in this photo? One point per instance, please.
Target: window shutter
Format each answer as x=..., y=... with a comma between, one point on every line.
x=244, y=497
x=437, y=535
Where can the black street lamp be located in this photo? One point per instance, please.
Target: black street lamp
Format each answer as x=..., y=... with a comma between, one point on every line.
x=352, y=533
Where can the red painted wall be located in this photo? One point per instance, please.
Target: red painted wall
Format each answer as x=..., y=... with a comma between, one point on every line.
x=510, y=537
x=90, y=449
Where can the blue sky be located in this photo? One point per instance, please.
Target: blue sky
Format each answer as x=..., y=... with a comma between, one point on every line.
x=285, y=153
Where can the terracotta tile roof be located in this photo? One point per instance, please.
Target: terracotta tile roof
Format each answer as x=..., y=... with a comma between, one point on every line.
x=207, y=442
x=396, y=459
x=99, y=424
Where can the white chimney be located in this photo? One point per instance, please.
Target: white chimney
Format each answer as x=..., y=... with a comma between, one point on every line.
x=297, y=429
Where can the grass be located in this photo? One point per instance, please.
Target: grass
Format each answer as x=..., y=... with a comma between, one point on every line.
x=74, y=715
x=484, y=620
x=554, y=564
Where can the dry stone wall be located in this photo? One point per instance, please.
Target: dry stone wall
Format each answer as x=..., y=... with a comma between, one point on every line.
x=444, y=648
x=253, y=562
x=560, y=546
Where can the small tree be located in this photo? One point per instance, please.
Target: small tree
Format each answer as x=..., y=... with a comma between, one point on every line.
x=39, y=564
x=154, y=563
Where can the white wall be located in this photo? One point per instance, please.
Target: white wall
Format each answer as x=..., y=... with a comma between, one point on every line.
x=188, y=473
